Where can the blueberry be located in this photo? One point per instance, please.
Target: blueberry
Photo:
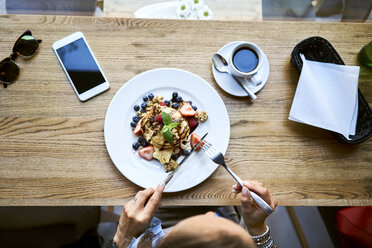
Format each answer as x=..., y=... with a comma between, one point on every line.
x=174, y=156
x=175, y=105
x=151, y=96
x=167, y=102
x=174, y=95
x=143, y=105
x=135, y=119
x=144, y=143
x=135, y=145
x=190, y=102
x=145, y=98
x=195, y=108
x=179, y=99
x=136, y=107
x=185, y=152
x=143, y=110
x=133, y=124
x=140, y=139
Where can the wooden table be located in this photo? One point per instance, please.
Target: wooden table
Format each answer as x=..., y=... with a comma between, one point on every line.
x=52, y=149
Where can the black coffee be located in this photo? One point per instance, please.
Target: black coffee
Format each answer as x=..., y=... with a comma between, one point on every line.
x=245, y=59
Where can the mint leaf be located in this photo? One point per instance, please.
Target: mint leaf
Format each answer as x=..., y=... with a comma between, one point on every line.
x=173, y=125
x=166, y=118
x=168, y=136
x=165, y=129
x=167, y=133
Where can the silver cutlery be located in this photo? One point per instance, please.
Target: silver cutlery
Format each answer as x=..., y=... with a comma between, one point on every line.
x=221, y=65
x=218, y=158
x=170, y=175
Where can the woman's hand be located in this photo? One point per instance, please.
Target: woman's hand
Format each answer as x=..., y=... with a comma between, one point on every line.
x=254, y=216
x=137, y=214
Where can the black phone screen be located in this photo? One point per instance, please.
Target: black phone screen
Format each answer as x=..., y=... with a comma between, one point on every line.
x=80, y=65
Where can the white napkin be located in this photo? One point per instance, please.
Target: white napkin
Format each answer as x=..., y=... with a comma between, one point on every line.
x=327, y=97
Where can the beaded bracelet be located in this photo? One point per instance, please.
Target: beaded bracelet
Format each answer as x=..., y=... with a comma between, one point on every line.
x=270, y=245
x=260, y=237
x=264, y=240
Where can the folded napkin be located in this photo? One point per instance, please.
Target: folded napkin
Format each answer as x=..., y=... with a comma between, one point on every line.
x=327, y=97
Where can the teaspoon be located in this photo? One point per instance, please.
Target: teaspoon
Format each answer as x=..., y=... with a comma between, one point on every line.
x=221, y=65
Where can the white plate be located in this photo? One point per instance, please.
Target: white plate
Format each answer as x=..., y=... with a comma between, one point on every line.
x=165, y=10
x=228, y=84
x=162, y=82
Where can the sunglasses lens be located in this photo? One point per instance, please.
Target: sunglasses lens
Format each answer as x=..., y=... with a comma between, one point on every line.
x=9, y=71
x=26, y=46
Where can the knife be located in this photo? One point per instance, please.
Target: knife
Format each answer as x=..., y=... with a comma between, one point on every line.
x=170, y=176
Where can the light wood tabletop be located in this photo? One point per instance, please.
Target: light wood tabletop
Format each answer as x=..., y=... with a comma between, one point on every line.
x=52, y=148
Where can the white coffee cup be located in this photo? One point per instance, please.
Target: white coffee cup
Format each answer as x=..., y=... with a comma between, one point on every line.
x=251, y=77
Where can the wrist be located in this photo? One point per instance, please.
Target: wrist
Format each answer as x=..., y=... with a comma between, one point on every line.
x=121, y=240
x=257, y=229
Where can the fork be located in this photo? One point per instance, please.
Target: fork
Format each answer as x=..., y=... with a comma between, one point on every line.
x=218, y=158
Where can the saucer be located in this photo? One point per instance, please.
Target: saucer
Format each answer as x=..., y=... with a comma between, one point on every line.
x=228, y=84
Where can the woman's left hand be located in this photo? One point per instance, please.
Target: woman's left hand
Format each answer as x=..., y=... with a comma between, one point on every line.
x=137, y=214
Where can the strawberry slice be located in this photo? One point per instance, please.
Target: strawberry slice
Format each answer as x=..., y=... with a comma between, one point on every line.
x=192, y=122
x=137, y=129
x=158, y=118
x=195, y=139
x=147, y=152
x=163, y=104
x=187, y=110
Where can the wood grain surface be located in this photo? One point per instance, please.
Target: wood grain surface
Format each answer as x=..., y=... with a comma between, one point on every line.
x=243, y=10
x=52, y=149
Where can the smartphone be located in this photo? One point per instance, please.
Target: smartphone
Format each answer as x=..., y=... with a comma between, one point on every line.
x=80, y=66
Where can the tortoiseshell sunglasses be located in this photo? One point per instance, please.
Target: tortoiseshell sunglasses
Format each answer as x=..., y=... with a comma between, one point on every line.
x=26, y=46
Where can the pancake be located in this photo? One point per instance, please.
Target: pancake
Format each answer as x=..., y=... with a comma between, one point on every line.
x=151, y=129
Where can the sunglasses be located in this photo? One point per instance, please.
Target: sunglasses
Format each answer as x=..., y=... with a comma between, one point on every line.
x=26, y=46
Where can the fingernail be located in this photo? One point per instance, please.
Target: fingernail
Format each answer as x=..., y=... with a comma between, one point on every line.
x=245, y=191
x=234, y=186
x=234, y=191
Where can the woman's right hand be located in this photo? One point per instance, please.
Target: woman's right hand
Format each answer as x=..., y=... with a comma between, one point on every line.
x=254, y=216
